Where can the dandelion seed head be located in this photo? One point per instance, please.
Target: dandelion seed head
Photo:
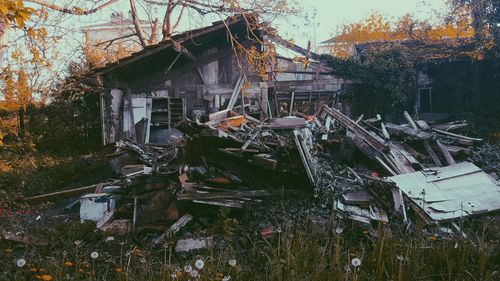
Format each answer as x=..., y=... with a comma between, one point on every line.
x=21, y=262
x=199, y=264
x=232, y=262
x=94, y=255
x=188, y=268
x=194, y=273
x=356, y=262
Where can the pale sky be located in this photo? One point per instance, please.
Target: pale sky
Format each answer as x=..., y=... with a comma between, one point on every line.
x=330, y=15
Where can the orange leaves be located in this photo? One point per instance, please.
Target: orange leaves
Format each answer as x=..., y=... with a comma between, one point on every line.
x=376, y=28
x=17, y=94
x=15, y=11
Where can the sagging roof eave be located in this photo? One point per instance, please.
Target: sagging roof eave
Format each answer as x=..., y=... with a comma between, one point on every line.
x=151, y=50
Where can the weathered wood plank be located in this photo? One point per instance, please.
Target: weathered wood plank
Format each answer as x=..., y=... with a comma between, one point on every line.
x=457, y=136
x=65, y=193
x=407, y=131
x=222, y=195
x=356, y=128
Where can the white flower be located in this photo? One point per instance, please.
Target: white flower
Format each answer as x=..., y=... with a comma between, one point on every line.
x=226, y=278
x=400, y=257
x=94, y=255
x=20, y=262
x=188, y=268
x=356, y=262
x=194, y=273
x=199, y=264
x=232, y=262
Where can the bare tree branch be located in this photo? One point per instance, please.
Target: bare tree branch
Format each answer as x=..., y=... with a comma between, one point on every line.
x=166, y=20
x=178, y=20
x=73, y=10
x=137, y=24
x=153, y=39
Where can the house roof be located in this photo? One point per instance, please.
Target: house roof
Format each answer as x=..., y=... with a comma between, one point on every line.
x=177, y=39
x=433, y=50
x=347, y=38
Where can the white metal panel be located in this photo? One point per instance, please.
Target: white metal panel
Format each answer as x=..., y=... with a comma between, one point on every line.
x=451, y=192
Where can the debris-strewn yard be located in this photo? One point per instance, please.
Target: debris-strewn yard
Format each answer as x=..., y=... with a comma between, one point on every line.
x=303, y=197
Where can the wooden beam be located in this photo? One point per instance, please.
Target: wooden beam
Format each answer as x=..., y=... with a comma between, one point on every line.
x=457, y=136
x=65, y=193
x=202, y=77
x=301, y=83
x=173, y=63
x=181, y=49
x=356, y=128
x=201, y=61
x=446, y=153
x=235, y=93
x=289, y=45
x=427, y=146
x=407, y=131
x=222, y=195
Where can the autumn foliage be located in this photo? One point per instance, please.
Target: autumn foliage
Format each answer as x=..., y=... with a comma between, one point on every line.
x=376, y=28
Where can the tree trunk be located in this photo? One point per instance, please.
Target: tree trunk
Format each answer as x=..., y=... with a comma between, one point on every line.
x=137, y=24
x=4, y=27
x=22, y=128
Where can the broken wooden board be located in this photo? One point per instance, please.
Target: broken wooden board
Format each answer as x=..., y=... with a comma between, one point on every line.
x=458, y=150
x=222, y=195
x=358, y=197
x=364, y=215
x=117, y=227
x=305, y=155
x=235, y=204
x=66, y=193
x=191, y=244
x=407, y=131
x=108, y=216
x=423, y=125
x=264, y=160
x=287, y=123
x=173, y=229
x=427, y=145
x=446, y=153
x=356, y=128
x=22, y=238
x=457, y=136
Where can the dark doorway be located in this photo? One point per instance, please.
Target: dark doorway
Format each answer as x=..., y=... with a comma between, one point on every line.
x=425, y=98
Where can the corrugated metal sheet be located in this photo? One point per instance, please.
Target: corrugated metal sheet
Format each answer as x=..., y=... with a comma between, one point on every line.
x=451, y=192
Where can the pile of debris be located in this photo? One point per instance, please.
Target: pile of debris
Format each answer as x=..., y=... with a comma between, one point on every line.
x=233, y=159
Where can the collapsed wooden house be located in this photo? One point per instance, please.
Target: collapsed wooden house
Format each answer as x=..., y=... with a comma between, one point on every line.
x=233, y=64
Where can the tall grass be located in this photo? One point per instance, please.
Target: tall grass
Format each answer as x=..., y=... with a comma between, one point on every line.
x=293, y=254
